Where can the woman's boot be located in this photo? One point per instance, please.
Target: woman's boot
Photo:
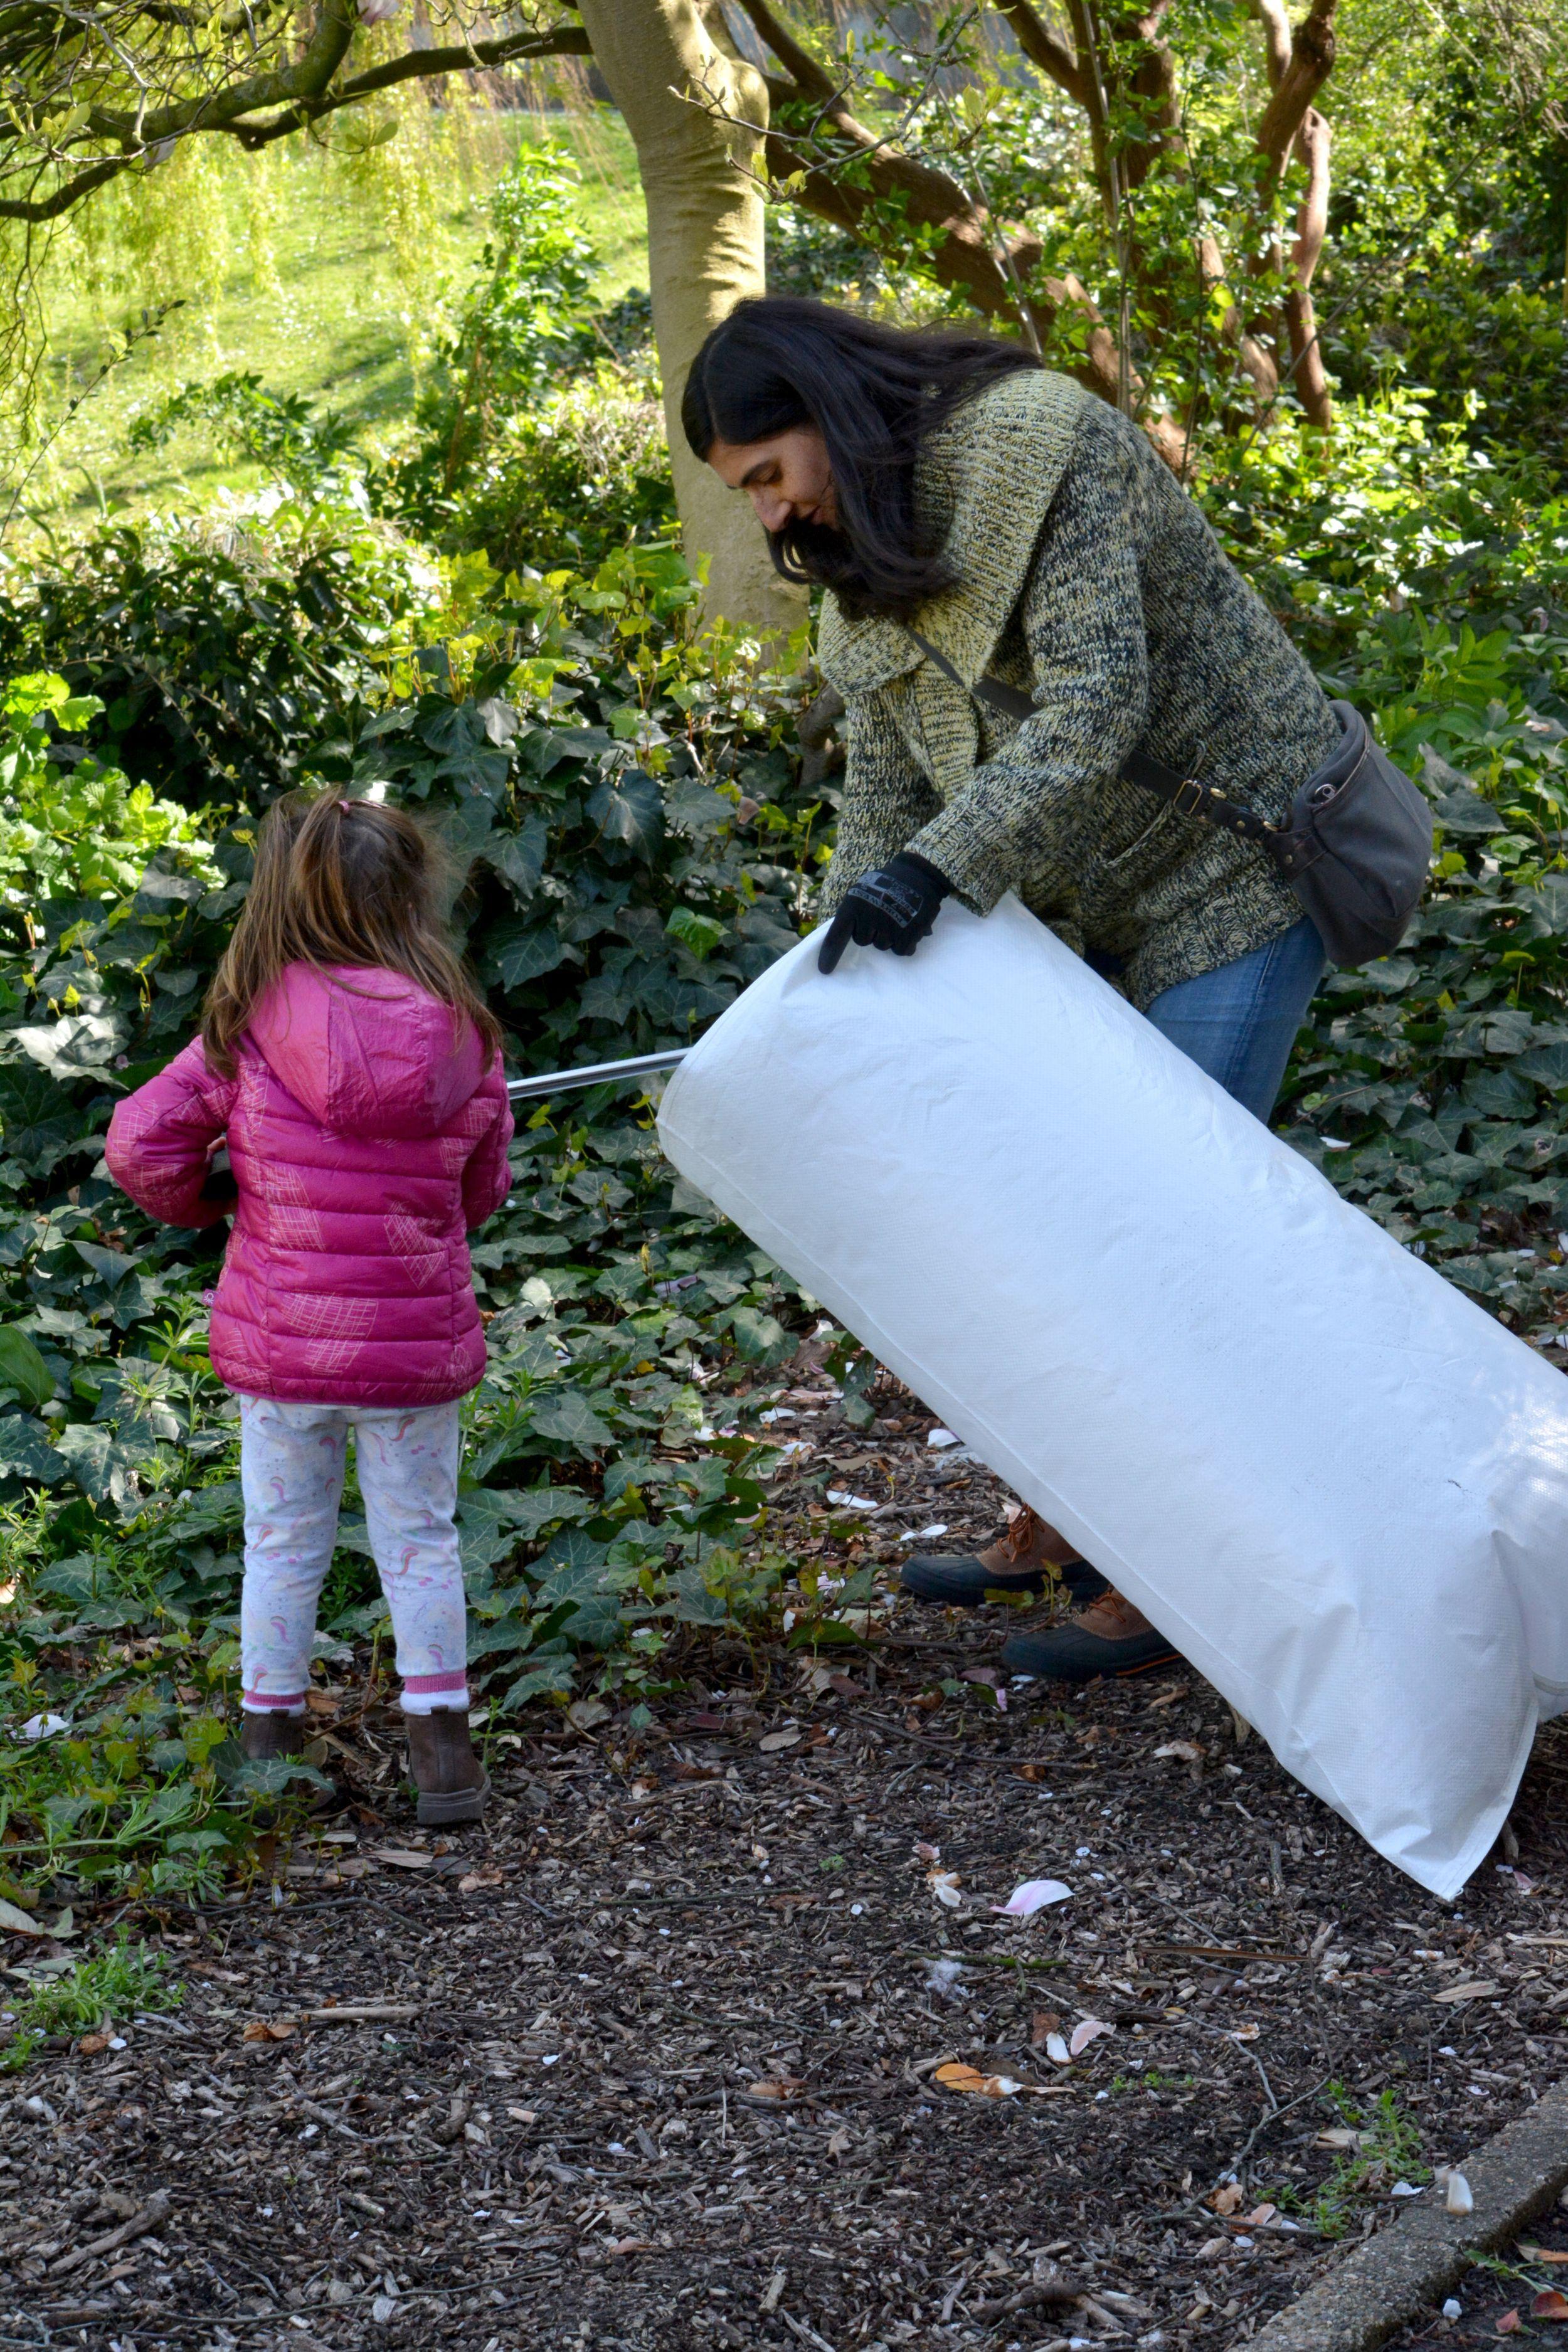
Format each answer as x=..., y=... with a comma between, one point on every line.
x=452, y=1783
x=1110, y=1636
x=1026, y=1557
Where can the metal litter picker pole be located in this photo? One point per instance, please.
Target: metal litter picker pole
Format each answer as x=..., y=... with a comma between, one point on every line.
x=595, y=1074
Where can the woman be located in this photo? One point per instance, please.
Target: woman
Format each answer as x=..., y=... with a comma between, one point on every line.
x=978, y=521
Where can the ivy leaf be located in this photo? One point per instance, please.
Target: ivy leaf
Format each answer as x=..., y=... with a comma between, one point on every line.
x=698, y=933
x=629, y=810
x=26, y=1451
x=760, y=1338
x=518, y=857
x=22, y=1368
x=569, y=1417
x=40, y=1120
x=521, y=952
x=110, y=1266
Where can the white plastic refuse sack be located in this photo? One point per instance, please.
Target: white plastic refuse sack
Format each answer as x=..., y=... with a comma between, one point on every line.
x=1336, y=1485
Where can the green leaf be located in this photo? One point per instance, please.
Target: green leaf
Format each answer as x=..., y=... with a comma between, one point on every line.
x=22, y=1368
x=569, y=1417
x=560, y=1674
x=631, y=811
x=760, y=1338
x=700, y=933
x=26, y=1451
x=520, y=953
x=40, y=1120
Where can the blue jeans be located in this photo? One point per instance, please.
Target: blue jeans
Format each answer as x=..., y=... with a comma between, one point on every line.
x=1239, y=1022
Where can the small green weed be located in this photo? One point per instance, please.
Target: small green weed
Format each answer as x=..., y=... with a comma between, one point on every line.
x=1388, y=2148
x=114, y=1984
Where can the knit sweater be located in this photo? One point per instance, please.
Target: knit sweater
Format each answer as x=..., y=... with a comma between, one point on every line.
x=1089, y=577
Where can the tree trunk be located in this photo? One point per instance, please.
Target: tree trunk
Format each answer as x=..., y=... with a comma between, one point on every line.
x=705, y=242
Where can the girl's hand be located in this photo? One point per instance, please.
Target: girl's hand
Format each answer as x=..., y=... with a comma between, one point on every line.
x=893, y=907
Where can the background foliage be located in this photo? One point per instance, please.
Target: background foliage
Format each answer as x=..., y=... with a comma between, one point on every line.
x=481, y=613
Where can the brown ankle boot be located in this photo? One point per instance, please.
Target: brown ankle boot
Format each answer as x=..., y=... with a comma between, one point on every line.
x=1026, y=1557
x=263, y=1736
x=452, y=1783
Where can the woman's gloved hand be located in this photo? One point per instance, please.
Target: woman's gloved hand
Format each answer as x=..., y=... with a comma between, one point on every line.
x=892, y=907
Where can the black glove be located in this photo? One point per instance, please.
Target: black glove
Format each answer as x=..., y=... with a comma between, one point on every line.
x=893, y=907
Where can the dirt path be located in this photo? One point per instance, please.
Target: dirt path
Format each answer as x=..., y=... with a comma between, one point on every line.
x=667, y=2073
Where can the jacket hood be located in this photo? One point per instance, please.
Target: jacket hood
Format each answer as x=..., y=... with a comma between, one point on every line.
x=369, y=1053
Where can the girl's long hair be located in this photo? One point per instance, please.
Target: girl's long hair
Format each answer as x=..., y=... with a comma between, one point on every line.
x=873, y=393
x=340, y=882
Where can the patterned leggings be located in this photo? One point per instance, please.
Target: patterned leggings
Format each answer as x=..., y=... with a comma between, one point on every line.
x=291, y=1461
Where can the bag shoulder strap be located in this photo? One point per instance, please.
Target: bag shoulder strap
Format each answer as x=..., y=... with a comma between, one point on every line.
x=1184, y=794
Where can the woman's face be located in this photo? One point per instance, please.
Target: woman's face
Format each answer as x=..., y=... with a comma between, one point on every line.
x=787, y=477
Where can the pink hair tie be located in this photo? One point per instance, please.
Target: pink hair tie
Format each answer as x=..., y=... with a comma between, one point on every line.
x=346, y=807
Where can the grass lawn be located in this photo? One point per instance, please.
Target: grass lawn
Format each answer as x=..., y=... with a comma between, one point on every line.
x=329, y=301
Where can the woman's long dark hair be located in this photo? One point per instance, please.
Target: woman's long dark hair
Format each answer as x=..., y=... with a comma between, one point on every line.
x=873, y=393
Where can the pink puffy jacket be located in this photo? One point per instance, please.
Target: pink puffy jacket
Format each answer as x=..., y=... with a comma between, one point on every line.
x=367, y=1141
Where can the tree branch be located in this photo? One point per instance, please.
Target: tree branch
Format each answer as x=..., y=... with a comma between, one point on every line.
x=1271, y=14
x=1046, y=49
x=1311, y=62
x=414, y=65
x=69, y=192
x=811, y=81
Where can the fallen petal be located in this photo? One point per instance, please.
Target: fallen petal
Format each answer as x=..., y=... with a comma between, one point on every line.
x=1057, y=2051
x=1087, y=2031
x=1458, y=2198
x=1033, y=1895
x=1550, y=2304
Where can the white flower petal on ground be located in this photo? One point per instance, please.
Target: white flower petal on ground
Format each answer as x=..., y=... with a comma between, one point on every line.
x=1033, y=1895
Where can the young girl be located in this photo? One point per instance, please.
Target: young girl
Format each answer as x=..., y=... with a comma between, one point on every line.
x=355, y=1074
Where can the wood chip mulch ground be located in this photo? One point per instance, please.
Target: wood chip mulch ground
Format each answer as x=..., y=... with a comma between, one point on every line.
x=713, y=2035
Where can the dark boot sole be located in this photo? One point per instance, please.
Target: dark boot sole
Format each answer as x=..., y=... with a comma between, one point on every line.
x=447, y=1808
x=1080, y=1582
x=1074, y=1657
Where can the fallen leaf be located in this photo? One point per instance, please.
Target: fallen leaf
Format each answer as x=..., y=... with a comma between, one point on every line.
x=1541, y=2254
x=1227, y=2197
x=958, y=2077
x=584, y=1713
x=841, y=2143
x=1342, y=2136
x=1033, y=1895
x=402, y=1857
x=1187, y=1750
x=91, y=2043
x=1258, y=2215
x=1550, y=2304
x=262, y=2029
x=943, y=1884
x=1478, y=1989
x=778, y=2090
x=1087, y=2031
x=777, y=1739
x=1044, y=2022
x=17, y=1922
